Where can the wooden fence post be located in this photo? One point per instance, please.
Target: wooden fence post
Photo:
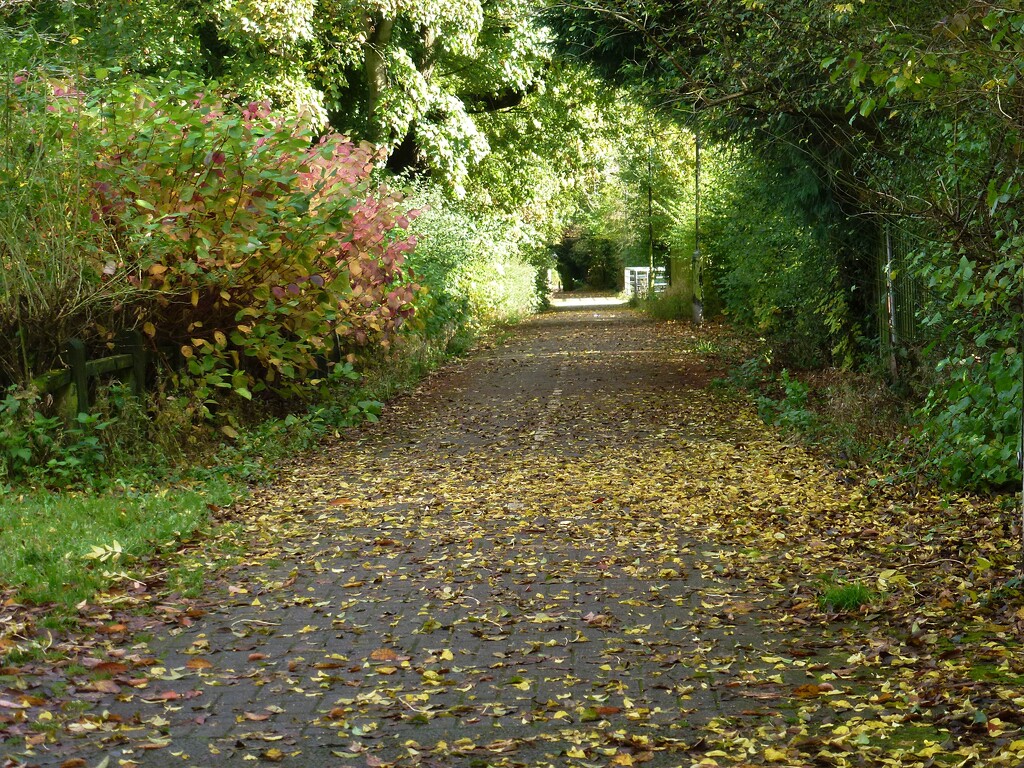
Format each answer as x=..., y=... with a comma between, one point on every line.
x=131, y=343
x=75, y=351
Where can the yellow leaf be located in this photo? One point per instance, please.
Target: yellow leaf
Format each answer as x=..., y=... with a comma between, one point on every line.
x=623, y=758
x=195, y=298
x=149, y=329
x=773, y=755
x=576, y=752
x=447, y=655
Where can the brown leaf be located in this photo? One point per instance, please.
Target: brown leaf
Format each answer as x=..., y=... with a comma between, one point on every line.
x=199, y=663
x=384, y=654
x=73, y=762
x=152, y=745
x=103, y=686
x=810, y=690
x=257, y=716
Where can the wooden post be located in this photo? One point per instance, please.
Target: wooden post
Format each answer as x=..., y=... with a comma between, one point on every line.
x=75, y=352
x=131, y=343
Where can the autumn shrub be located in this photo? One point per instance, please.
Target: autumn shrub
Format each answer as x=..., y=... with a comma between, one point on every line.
x=253, y=242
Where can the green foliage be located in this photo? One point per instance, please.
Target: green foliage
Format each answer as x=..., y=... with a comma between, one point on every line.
x=971, y=423
x=44, y=448
x=790, y=412
x=946, y=101
x=772, y=257
x=63, y=547
x=479, y=270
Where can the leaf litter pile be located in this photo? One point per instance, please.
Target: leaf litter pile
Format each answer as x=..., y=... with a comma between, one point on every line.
x=569, y=551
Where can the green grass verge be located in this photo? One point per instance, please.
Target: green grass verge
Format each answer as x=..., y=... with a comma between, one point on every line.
x=62, y=548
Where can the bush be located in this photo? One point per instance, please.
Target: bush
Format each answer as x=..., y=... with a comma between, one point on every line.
x=478, y=270
x=970, y=423
x=670, y=305
x=771, y=240
x=253, y=243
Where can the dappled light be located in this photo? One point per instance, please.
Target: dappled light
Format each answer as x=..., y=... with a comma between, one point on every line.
x=583, y=301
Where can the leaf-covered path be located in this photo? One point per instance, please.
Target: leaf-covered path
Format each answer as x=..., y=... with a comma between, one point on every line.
x=567, y=551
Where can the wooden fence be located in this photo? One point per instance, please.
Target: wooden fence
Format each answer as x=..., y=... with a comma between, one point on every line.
x=71, y=387
x=72, y=390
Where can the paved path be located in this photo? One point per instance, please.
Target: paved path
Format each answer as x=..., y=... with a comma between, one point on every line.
x=500, y=574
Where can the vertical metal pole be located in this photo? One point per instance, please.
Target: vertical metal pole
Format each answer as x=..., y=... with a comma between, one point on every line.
x=890, y=293
x=650, y=214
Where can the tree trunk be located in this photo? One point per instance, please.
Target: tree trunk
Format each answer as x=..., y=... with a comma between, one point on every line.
x=379, y=31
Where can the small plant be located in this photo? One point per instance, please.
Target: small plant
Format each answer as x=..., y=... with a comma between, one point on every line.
x=751, y=373
x=791, y=412
x=705, y=347
x=839, y=596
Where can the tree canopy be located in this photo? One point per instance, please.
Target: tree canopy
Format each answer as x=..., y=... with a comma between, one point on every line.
x=860, y=184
